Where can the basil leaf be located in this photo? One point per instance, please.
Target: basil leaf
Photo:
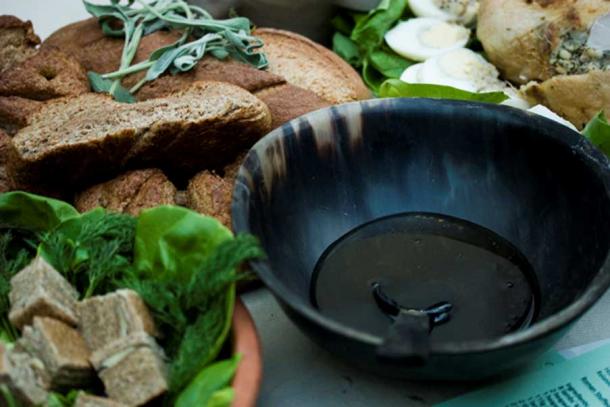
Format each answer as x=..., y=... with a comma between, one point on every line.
x=222, y=398
x=347, y=49
x=211, y=379
x=398, y=88
x=388, y=63
x=372, y=77
x=369, y=31
x=597, y=131
x=343, y=24
x=32, y=212
x=171, y=242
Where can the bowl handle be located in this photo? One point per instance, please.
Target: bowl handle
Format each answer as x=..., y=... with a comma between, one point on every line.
x=408, y=341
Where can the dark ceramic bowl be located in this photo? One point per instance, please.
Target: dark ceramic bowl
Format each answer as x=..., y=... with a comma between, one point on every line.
x=534, y=182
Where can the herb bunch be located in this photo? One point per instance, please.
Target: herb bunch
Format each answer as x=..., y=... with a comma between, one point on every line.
x=201, y=35
x=195, y=317
x=93, y=252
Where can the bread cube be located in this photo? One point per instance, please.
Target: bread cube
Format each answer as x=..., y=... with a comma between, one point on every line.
x=135, y=376
x=111, y=317
x=24, y=375
x=87, y=400
x=62, y=350
x=39, y=290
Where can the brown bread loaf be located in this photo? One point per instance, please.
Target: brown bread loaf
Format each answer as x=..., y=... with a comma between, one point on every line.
x=17, y=41
x=73, y=142
x=129, y=193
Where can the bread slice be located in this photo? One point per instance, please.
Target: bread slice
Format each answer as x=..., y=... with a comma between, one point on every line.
x=15, y=112
x=309, y=65
x=129, y=193
x=74, y=141
x=6, y=184
x=17, y=41
x=85, y=41
x=209, y=194
x=48, y=74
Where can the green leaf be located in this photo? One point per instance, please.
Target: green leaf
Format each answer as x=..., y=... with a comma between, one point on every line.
x=343, y=24
x=397, y=88
x=347, y=49
x=372, y=77
x=597, y=131
x=61, y=400
x=222, y=398
x=388, y=63
x=172, y=242
x=369, y=31
x=32, y=212
x=210, y=380
x=101, y=85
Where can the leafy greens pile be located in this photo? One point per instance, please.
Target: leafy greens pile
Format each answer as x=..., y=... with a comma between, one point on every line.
x=201, y=35
x=184, y=266
x=359, y=40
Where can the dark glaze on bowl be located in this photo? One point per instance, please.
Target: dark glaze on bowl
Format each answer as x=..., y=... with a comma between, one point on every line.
x=532, y=181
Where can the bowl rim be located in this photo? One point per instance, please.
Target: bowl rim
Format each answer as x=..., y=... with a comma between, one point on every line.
x=597, y=162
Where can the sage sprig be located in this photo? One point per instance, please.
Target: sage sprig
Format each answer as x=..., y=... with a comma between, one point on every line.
x=201, y=35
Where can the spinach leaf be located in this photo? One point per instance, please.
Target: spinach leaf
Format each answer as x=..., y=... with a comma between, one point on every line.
x=203, y=388
x=222, y=398
x=343, y=23
x=172, y=242
x=32, y=212
x=598, y=132
x=369, y=31
x=397, y=88
x=388, y=63
x=347, y=49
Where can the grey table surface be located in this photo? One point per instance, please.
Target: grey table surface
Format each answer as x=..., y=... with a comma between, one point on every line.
x=299, y=373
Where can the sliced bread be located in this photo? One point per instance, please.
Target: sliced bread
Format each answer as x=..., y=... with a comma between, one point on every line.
x=47, y=75
x=16, y=112
x=309, y=65
x=17, y=41
x=129, y=193
x=209, y=194
x=74, y=141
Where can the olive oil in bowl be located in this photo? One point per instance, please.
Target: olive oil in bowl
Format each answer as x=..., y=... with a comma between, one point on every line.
x=484, y=286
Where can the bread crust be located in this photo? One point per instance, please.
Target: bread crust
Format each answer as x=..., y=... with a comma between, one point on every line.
x=17, y=41
x=73, y=142
x=48, y=74
x=311, y=66
x=129, y=193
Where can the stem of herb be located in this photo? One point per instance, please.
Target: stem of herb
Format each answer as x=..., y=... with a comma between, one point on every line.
x=138, y=85
x=132, y=69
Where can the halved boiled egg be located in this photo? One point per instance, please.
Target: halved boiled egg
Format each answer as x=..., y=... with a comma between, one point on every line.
x=549, y=114
x=461, y=11
x=422, y=38
x=411, y=74
x=463, y=69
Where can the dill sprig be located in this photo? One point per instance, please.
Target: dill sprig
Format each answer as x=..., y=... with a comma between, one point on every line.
x=15, y=254
x=195, y=317
x=93, y=251
x=201, y=35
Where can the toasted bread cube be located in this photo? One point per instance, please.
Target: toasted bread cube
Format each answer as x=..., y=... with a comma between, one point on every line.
x=107, y=356
x=39, y=290
x=108, y=318
x=135, y=376
x=25, y=376
x=62, y=350
x=87, y=400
